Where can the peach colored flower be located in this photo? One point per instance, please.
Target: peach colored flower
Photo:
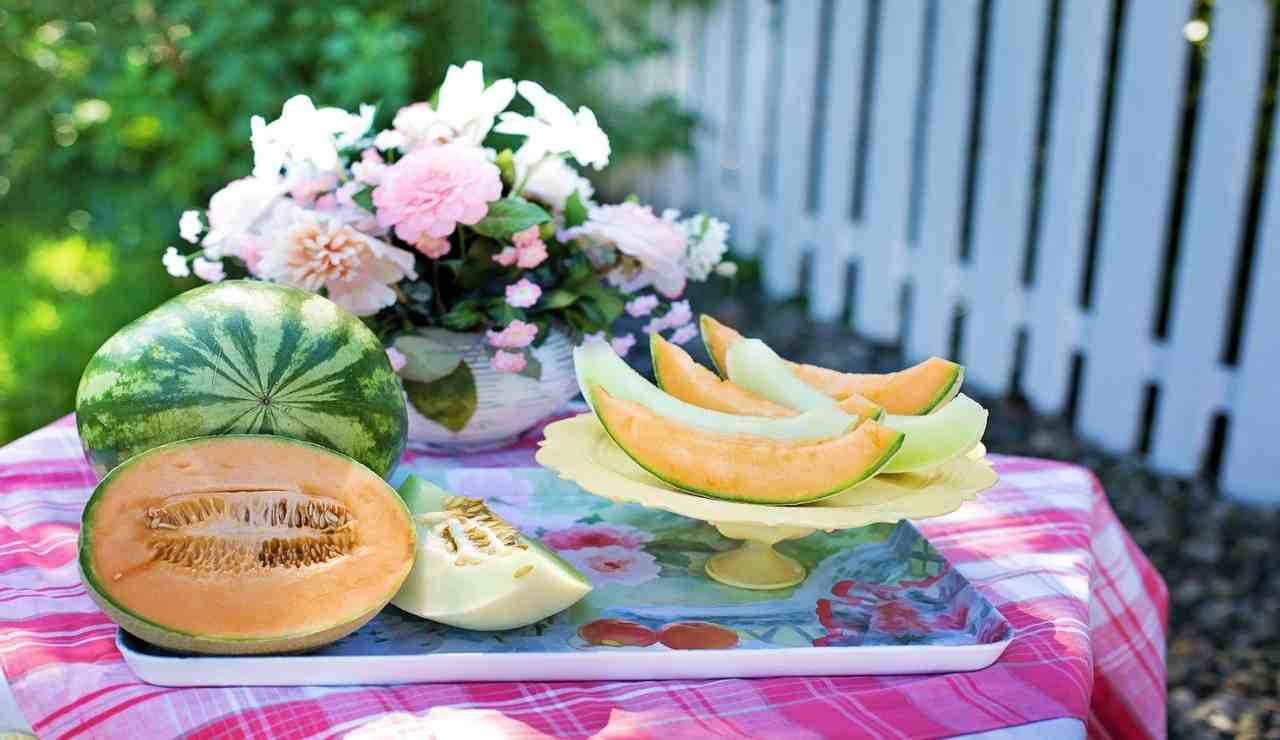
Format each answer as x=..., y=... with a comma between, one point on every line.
x=433, y=189
x=313, y=250
x=523, y=294
x=507, y=362
x=432, y=247
x=517, y=335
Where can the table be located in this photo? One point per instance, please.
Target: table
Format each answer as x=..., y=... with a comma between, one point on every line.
x=1044, y=546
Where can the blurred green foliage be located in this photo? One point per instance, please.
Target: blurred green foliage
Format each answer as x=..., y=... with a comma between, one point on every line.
x=119, y=115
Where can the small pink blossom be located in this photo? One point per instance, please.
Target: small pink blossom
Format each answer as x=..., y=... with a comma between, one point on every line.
x=623, y=344
x=613, y=564
x=251, y=252
x=579, y=536
x=526, y=237
x=209, y=271
x=684, y=334
x=679, y=315
x=397, y=358
x=507, y=257
x=305, y=190
x=327, y=202
x=642, y=306
x=432, y=247
x=370, y=167
x=517, y=335
x=507, y=362
x=523, y=294
x=532, y=255
x=433, y=189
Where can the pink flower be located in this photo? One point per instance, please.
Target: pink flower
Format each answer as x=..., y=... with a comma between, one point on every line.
x=526, y=237
x=523, y=294
x=684, y=334
x=209, y=271
x=251, y=252
x=507, y=257
x=533, y=255
x=370, y=167
x=397, y=359
x=507, y=362
x=580, y=536
x=433, y=189
x=642, y=306
x=432, y=247
x=679, y=315
x=658, y=244
x=305, y=190
x=613, y=564
x=517, y=335
x=623, y=344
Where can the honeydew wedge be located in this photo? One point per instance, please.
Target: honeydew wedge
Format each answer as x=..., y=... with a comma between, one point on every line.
x=919, y=389
x=680, y=375
x=475, y=571
x=597, y=364
x=739, y=467
x=931, y=439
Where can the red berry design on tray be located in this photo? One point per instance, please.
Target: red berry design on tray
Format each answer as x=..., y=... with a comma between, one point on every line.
x=617, y=633
x=697, y=636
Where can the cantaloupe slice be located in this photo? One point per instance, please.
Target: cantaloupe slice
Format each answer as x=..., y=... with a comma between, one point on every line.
x=932, y=439
x=916, y=390
x=739, y=467
x=680, y=375
x=243, y=544
x=597, y=364
x=475, y=571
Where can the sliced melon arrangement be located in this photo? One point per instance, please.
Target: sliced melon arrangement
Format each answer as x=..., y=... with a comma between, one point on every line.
x=475, y=571
x=243, y=544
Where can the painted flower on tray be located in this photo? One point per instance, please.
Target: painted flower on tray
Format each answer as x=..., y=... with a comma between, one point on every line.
x=433, y=189
x=897, y=617
x=581, y=536
x=614, y=564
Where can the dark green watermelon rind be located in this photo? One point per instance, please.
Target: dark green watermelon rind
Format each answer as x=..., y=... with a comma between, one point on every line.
x=90, y=576
x=866, y=475
x=139, y=410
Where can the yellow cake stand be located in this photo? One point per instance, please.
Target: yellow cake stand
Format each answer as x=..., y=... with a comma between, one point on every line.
x=580, y=450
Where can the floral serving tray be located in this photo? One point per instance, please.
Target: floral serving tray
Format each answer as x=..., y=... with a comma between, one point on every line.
x=879, y=600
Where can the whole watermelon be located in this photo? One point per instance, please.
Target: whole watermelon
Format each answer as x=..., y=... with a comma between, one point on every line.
x=242, y=357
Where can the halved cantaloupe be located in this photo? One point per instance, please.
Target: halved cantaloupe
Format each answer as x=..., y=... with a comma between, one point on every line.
x=243, y=544
x=739, y=467
x=597, y=364
x=680, y=375
x=476, y=571
x=932, y=439
x=915, y=390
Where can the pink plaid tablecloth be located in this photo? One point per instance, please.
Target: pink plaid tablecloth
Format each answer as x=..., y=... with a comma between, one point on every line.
x=1043, y=545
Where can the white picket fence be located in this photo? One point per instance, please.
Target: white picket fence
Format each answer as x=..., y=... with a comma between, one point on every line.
x=838, y=144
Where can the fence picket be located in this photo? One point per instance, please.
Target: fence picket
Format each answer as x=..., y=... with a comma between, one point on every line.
x=1003, y=197
x=748, y=217
x=1136, y=201
x=1215, y=207
x=792, y=141
x=1250, y=466
x=1074, y=132
x=835, y=189
x=942, y=195
x=717, y=94
x=881, y=243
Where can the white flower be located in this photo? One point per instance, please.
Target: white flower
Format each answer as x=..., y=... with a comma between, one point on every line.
x=727, y=269
x=189, y=226
x=389, y=139
x=174, y=263
x=208, y=270
x=707, y=245
x=551, y=179
x=236, y=210
x=464, y=111
x=554, y=128
x=304, y=135
x=313, y=250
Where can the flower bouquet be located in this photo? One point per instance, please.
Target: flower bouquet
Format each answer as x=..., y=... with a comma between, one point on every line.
x=467, y=239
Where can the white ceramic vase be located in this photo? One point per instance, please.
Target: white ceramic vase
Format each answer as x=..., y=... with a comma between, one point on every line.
x=507, y=404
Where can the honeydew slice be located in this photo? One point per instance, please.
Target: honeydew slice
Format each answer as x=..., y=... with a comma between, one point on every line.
x=597, y=364
x=931, y=439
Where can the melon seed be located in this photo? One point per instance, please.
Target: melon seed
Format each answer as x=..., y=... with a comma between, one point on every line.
x=233, y=531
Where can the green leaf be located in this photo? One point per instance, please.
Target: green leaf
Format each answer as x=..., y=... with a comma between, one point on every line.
x=559, y=298
x=506, y=162
x=426, y=359
x=509, y=215
x=364, y=199
x=532, y=368
x=463, y=316
x=575, y=213
x=450, y=401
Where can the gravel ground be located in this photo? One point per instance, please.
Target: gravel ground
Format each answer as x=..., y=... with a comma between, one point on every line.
x=1224, y=632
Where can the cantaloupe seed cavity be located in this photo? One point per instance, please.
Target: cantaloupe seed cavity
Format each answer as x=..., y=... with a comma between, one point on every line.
x=237, y=531
x=469, y=532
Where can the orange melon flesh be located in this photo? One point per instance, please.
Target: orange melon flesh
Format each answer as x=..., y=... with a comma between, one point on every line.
x=916, y=390
x=741, y=467
x=680, y=375
x=234, y=596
